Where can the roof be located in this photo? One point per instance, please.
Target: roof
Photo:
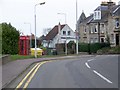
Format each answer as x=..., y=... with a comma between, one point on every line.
x=104, y=18
x=88, y=19
x=103, y=8
x=116, y=11
x=81, y=18
x=53, y=32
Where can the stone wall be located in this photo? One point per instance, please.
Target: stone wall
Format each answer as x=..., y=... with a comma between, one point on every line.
x=5, y=59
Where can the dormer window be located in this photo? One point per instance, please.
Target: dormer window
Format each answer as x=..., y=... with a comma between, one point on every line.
x=97, y=15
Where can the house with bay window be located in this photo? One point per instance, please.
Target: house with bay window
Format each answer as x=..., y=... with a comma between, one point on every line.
x=102, y=25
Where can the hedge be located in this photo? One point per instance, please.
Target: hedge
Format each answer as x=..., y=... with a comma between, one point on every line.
x=91, y=48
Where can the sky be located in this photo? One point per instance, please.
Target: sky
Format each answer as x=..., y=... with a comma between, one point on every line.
x=19, y=12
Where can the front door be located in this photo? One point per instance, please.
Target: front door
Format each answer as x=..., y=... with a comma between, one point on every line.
x=117, y=39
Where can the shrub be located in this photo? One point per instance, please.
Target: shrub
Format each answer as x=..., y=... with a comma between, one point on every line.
x=92, y=48
x=83, y=47
x=10, y=38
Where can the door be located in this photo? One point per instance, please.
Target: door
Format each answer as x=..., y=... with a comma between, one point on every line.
x=117, y=39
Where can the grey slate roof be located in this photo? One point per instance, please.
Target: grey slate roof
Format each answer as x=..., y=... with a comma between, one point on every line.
x=116, y=11
x=103, y=8
x=81, y=18
x=103, y=19
x=88, y=19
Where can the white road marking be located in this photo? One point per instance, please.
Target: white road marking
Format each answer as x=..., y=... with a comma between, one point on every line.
x=87, y=65
x=90, y=60
x=102, y=76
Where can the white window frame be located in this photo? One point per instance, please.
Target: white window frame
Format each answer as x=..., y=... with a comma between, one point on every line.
x=69, y=33
x=64, y=33
x=97, y=15
x=91, y=29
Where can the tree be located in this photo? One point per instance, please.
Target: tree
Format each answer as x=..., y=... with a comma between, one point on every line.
x=46, y=31
x=10, y=39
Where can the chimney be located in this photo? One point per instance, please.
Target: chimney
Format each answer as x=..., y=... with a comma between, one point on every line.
x=59, y=28
x=110, y=4
x=104, y=3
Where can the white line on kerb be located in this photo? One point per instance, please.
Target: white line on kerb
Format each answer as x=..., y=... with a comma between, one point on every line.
x=87, y=65
x=102, y=76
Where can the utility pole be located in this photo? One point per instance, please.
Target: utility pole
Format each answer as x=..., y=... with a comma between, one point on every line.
x=76, y=31
x=35, y=26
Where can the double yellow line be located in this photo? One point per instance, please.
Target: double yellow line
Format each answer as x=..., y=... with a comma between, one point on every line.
x=30, y=75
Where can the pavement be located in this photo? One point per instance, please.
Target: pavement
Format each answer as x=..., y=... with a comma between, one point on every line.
x=12, y=70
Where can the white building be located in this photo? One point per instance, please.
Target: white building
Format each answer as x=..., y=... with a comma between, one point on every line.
x=59, y=34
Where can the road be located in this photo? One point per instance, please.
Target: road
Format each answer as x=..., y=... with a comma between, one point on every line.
x=92, y=72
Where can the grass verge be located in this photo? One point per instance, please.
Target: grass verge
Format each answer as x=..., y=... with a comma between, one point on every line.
x=22, y=57
x=109, y=50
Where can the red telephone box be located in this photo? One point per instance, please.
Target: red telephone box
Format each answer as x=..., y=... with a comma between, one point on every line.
x=24, y=45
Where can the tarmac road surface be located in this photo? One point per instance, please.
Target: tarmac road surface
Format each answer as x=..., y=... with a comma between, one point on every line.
x=93, y=72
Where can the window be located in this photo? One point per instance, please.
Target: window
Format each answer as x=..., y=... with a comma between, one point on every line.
x=91, y=29
x=69, y=33
x=97, y=15
x=64, y=32
x=95, y=30
x=117, y=22
x=85, y=30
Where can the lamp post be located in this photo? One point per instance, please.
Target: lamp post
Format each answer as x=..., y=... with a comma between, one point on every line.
x=66, y=37
x=35, y=25
x=76, y=31
x=30, y=34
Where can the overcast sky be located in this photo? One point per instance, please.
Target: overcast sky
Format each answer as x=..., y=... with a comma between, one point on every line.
x=18, y=12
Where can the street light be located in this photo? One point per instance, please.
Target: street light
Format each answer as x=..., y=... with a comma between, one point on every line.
x=66, y=37
x=76, y=31
x=35, y=26
x=30, y=34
